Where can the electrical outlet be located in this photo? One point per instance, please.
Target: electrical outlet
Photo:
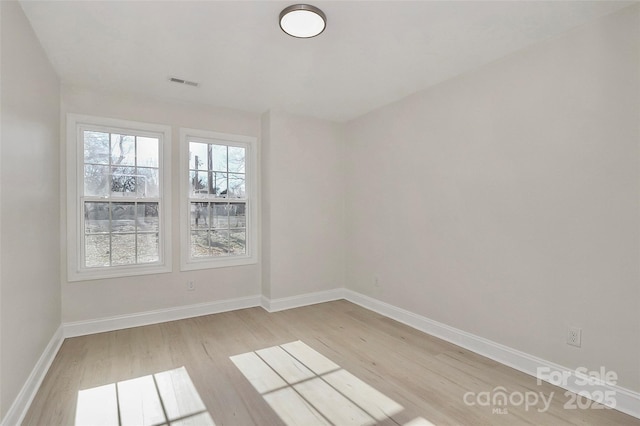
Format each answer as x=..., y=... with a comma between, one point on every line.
x=574, y=336
x=191, y=285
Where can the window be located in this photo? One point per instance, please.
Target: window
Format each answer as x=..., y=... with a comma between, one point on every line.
x=118, y=198
x=219, y=201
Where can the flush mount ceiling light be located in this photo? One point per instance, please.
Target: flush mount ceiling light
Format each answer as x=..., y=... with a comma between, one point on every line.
x=302, y=21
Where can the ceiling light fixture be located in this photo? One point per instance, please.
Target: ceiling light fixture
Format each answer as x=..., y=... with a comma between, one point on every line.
x=302, y=21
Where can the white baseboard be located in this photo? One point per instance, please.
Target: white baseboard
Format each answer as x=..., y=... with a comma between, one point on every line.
x=81, y=328
x=21, y=404
x=625, y=400
x=275, y=305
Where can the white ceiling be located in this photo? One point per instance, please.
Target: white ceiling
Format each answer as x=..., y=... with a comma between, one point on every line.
x=372, y=52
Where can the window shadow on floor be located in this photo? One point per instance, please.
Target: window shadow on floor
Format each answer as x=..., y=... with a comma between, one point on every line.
x=305, y=388
x=165, y=398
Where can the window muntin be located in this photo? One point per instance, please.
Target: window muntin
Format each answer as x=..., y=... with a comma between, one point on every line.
x=118, y=211
x=218, y=212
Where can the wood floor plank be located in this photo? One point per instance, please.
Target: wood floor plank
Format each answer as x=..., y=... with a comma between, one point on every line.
x=178, y=395
x=426, y=376
x=313, y=360
x=375, y=403
x=202, y=419
x=139, y=402
x=258, y=372
x=286, y=366
x=97, y=406
x=338, y=409
x=293, y=409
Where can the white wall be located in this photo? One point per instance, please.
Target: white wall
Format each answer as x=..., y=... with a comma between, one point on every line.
x=29, y=206
x=302, y=205
x=265, y=203
x=94, y=299
x=505, y=202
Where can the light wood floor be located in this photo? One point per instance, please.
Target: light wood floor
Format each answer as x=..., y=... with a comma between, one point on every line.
x=425, y=375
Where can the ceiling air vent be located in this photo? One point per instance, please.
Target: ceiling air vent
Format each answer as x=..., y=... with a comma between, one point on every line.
x=181, y=81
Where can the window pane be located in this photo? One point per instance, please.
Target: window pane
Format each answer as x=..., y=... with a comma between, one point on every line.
x=198, y=156
x=199, y=182
x=148, y=248
x=147, y=151
x=200, y=244
x=123, y=181
x=236, y=159
x=220, y=215
x=219, y=242
x=123, y=217
x=221, y=184
x=123, y=249
x=238, y=241
x=123, y=150
x=199, y=215
x=96, y=180
x=96, y=250
x=236, y=185
x=148, y=184
x=219, y=158
x=237, y=215
x=96, y=147
x=218, y=183
x=120, y=197
x=147, y=217
x=96, y=218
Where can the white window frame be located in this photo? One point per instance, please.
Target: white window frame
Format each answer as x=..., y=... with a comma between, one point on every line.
x=76, y=124
x=251, y=189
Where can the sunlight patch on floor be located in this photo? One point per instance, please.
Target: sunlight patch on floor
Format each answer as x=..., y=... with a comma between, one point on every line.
x=305, y=388
x=166, y=398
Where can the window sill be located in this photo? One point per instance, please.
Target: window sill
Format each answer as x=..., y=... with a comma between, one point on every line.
x=116, y=272
x=195, y=265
